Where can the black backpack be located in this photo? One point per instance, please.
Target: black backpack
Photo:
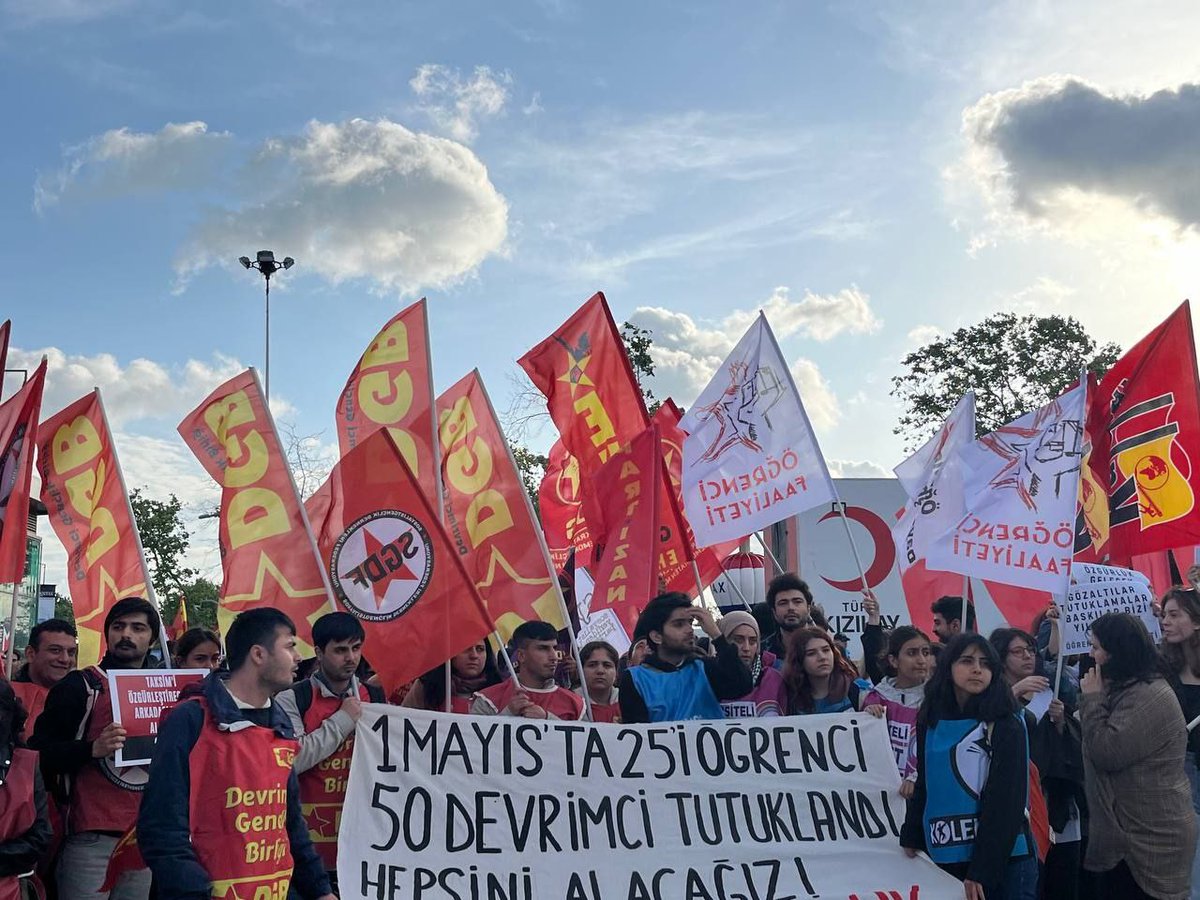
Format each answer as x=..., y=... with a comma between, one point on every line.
x=304, y=695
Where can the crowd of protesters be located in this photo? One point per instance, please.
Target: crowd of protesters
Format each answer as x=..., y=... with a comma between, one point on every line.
x=1023, y=777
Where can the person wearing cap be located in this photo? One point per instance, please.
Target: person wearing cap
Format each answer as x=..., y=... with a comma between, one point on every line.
x=769, y=697
x=77, y=740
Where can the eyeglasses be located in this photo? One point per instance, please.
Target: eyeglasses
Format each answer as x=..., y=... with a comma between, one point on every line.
x=1022, y=651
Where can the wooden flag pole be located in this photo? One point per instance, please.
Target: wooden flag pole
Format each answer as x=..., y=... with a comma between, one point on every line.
x=1192, y=724
x=962, y=621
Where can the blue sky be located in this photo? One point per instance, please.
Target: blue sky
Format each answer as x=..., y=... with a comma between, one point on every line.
x=869, y=173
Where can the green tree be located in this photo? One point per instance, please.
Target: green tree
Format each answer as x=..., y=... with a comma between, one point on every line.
x=202, y=597
x=638, y=342
x=165, y=541
x=1013, y=363
x=532, y=467
x=63, y=609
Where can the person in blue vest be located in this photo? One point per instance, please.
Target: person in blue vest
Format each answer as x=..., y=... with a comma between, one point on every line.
x=968, y=809
x=675, y=682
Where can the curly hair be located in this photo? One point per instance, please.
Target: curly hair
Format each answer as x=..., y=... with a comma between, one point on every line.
x=799, y=688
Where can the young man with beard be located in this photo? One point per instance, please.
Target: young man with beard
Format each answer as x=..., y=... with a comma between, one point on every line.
x=538, y=697
x=77, y=740
x=947, y=618
x=323, y=710
x=790, y=602
x=222, y=813
x=52, y=653
x=673, y=683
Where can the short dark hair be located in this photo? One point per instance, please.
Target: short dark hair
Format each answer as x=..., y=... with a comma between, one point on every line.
x=253, y=628
x=1001, y=638
x=788, y=581
x=1131, y=655
x=337, y=626
x=12, y=710
x=193, y=638
x=129, y=606
x=950, y=609
x=533, y=630
x=658, y=610
x=586, y=651
x=50, y=626
x=996, y=701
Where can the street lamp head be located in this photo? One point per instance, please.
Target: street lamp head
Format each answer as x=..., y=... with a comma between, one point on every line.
x=266, y=256
x=245, y=261
x=288, y=262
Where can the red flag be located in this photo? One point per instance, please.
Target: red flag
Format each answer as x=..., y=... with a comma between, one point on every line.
x=267, y=550
x=584, y=373
x=392, y=387
x=393, y=565
x=89, y=511
x=126, y=857
x=560, y=502
x=180, y=625
x=627, y=491
x=5, y=329
x=708, y=559
x=1144, y=421
x=18, y=436
x=488, y=514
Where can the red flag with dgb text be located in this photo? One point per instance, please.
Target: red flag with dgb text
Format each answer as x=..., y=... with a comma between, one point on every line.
x=18, y=435
x=627, y=490
x=394, y=567
x=1144, y=425
x=488, y=515
x=392, y=387
x=585, y=376
x=267, y=551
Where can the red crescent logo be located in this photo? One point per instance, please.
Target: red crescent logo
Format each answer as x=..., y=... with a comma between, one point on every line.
x=885, y=549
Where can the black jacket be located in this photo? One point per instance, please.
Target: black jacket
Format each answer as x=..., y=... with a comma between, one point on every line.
x=727, y=676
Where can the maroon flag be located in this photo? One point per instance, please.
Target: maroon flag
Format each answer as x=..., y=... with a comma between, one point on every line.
x=18, y=437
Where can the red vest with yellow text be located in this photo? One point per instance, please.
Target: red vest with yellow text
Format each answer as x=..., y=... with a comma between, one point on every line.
x=560, y=702
x=238, y=809
x=323, y=787
x=103, y=797
x=18, y=811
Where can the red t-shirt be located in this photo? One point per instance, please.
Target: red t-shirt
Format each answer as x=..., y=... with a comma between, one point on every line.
x=557, y=701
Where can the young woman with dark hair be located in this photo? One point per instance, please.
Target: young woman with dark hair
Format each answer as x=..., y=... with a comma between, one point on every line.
x=470, y=671
x=25, y=831
x=1142, y=828
x=818, y=678
x=1181, y=661
x=198, y=648
x=600, y=660
x=909, y=660
x=968, y=809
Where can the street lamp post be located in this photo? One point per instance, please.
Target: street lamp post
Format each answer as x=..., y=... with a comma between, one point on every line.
x=266, y=264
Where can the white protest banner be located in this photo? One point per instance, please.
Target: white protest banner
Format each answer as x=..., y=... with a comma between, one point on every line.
x=442, y=806
x=750, y=458
x=604, y=625
x=1088, y=601
x=1090, y=573
x=932, y=478
x=1021, y=483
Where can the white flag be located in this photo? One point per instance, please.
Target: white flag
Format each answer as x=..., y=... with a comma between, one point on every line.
x=932, y=478
x=1021, y=483
x=750, y=457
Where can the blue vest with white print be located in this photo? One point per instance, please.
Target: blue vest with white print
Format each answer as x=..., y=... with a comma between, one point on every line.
x=679, y=695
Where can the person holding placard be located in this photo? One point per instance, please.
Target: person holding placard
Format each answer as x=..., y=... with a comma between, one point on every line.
x=1142, y=828
x=1181, y=660
x=470, y=672
x=968, y=806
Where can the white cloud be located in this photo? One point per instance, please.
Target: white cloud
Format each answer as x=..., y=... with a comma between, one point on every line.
x=364, y=199
x=457, y=104
x=120, y=161
x=845, y=468
x=923, y=334
x=534, y=106
x=687, y=353
x=59, y=12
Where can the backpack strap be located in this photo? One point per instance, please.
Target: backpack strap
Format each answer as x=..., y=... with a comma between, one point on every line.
x=304, y=696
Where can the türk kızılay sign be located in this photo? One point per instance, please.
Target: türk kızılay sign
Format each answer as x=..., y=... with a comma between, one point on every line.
x=442, y=807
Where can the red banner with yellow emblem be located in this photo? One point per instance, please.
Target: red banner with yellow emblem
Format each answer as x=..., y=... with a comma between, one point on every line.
x=267, y=550
x=628, y=489
x=89, y=510
x=560, y=503
x=392, y=387
x=488, y=515
x=1144, y=425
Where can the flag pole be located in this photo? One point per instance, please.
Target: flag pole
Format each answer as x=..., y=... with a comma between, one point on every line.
x=12, y=633
x=763, y=544
x=699, y=583
x=541, y=537
x=737, y=590
x=312, y=538
x=962, y=619
x=841, y=509
x=1192, y=724
x=137, y=535
x=1057, y=625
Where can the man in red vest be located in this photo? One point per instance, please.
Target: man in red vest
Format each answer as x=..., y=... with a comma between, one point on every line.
x=323, y=709
x=77, y=739
x=222, y=813
x=51, y=654
x=535, y=646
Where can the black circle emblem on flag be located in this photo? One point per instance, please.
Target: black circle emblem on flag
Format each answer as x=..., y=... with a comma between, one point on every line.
x=381, y=565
